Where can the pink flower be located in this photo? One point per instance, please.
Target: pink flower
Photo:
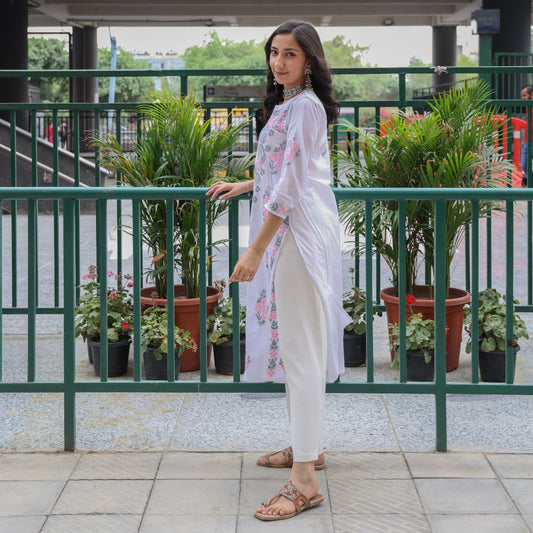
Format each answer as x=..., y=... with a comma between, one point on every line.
x=110, y=273
x=275, y=334
x=86, y=276
x=129, y=284
x=273, y=354
x=273, y=315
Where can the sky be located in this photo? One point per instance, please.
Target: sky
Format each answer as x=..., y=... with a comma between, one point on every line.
x=391, y=46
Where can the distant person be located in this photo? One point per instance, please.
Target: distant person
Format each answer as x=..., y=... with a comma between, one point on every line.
x=50, y=132
x=62, y=132
x=295, y=320
x=527, y=94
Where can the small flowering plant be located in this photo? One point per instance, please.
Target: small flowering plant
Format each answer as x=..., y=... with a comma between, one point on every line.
x=419, y=334
x=119, y=307
x=154, y=333
x=222, y=322
x=354, y=303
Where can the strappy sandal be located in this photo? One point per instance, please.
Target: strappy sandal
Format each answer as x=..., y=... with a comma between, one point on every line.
x=264, y=460
x=300, y=501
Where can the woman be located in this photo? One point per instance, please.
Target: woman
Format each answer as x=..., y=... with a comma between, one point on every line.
x=295, y=319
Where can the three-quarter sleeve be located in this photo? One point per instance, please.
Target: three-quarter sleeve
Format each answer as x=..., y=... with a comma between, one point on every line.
x=303, y=125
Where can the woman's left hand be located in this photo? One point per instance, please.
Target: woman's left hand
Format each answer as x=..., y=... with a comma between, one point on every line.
x=246, y=266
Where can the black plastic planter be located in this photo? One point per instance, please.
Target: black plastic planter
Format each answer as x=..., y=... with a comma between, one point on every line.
x=157, y=369
x=492, y=365
x=354, y=349
x=417, y=368
x=224, y=357
x=118, y=354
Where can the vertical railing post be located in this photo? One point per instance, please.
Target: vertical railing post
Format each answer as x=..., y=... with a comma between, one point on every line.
x=509, y=292
x=203, y=290
x=368, y=292
x=171, y=362
x=137, y=277
x=474, y=304
x=69, y=347
x=402, y=282
x=234, y=288
x=440, y=325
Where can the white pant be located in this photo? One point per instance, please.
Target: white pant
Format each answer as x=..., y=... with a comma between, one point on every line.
x=303, y=343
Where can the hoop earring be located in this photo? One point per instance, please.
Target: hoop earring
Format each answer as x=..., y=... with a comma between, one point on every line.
x=308, y=85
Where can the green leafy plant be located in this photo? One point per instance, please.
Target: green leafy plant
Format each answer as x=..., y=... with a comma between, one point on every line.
x=222, y=322
x=178, y=147
x=354, y=303
x=419, y=335
x=119, y=307
x=154, y=333
x=453, y=145
x=492, y=322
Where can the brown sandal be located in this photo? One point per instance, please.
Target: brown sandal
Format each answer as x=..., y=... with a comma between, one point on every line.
x=264, y=460
x=300, y=501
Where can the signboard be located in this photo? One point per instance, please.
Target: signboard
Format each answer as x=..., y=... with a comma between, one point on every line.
x=486, y=21
x=234, y=91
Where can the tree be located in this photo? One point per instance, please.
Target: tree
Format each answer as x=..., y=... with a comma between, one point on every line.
x=49, y=54
x=130, y=89
x=224, y=54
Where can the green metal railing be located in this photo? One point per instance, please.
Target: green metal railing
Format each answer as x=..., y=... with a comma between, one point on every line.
x=439, y=389
x=66, y=254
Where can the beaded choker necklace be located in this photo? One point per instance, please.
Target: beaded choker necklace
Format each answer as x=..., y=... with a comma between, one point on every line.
x=291, y=93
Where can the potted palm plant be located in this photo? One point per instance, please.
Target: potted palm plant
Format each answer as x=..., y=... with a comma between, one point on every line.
x=453, y=145
x=492, y=335
x=119, y=320
x=178, y=148
x=154, y=344
x=221, y=324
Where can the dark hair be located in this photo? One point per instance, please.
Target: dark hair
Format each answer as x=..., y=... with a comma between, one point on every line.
x=309, y=41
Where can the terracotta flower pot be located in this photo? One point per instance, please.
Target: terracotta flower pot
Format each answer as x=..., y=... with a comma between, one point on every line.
x=187, y=317
x=454, y=316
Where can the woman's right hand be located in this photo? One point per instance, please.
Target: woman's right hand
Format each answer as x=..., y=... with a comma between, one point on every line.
x=223, y=190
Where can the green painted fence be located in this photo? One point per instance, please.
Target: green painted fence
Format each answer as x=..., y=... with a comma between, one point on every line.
x=65, y=244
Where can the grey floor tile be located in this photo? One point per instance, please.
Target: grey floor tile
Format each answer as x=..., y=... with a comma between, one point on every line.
x=463, y=496
x=512, y=465
x=367, y=465
x=104, y=496
x=529, y=520
x=303, y=523
x=24, y=498
x=92, y=523
x=380, y=523
x=201, y=497
x=117, y=466
x=443, y=465
x=21, y=524
x=39, y=466
x=373, y=496
x=188, y=524
x=254, y=492
x=478, y=524
x=521, y=491
x=251, y=470
x=184, y=465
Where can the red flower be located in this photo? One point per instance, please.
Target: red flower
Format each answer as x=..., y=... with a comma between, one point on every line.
x=447, y=330
x=125, y=325
x=410, y=299
x=112, y=295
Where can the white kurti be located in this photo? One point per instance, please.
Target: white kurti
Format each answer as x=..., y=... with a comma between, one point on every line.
x=293, y=181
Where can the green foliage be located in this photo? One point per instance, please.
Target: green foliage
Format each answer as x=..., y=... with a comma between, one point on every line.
x=224, y=54
x=419, y=335
x=451, y=146
x=492, y=322
x=49, y=54
x=119, y=308
x=222, y=321
x=134, y=89
x=154, y=333
x=177, y=149
x=354, y=303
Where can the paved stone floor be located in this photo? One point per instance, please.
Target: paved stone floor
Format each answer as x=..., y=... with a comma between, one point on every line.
x=150, y=492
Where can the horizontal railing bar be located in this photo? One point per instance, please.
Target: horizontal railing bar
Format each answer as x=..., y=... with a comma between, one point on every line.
x=347, y=387
x=196, y=193
x=103, y=73
x=38, y=310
